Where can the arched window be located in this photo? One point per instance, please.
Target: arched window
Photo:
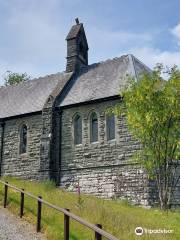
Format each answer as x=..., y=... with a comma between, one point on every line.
x=93, y=127
x=110, y=127
x=77, y=129
x=23, y=139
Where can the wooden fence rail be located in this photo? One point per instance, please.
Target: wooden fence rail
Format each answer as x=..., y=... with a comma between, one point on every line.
x=99, y=232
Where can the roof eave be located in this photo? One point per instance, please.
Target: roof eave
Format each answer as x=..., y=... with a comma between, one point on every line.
x=90, y=102
x=21, y=115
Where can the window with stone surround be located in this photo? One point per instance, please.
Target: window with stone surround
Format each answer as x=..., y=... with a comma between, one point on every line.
x=93, y=127
x=77, y=129
x=110, y=127
x=23, y=139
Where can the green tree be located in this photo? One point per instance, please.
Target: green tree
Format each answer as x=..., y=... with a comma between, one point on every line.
x=15, y=78
x=152, y=109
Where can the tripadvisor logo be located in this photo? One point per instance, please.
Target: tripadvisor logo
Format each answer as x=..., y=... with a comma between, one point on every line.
x=139, y=231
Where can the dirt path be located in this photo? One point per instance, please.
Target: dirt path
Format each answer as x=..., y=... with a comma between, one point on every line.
x=14, y=228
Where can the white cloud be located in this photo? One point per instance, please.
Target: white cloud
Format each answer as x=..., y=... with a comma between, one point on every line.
x=151, y=56
x=139, y=44
x=176, y=32
x=34, y=41
x=105, y=44
x=36, y=30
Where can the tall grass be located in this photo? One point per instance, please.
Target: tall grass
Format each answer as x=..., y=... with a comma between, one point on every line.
x=117, y=217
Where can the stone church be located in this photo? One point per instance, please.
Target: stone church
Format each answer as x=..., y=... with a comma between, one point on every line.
x=57, y=127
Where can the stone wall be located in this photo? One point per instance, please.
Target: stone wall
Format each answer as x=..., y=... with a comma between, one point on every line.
x=25, y=165
x=1, y=142
x=176, y=193
x=101, y=168
x=45, y=138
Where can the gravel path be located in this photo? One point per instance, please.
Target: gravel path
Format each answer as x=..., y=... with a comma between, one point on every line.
x=14, y=228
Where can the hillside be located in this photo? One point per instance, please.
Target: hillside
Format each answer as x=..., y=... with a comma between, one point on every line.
x=117, y=217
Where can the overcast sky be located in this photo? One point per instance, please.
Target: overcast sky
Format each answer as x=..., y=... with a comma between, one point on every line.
x=33, y=32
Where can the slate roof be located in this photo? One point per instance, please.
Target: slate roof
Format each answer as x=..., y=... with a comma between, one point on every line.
x=102, y=80
x=30, y=96
x=96, y=81
x=74, y=31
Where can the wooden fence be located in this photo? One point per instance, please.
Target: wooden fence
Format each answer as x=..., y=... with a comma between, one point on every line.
x=99, y=232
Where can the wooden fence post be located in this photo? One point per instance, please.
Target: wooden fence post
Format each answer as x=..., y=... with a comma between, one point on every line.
x=5, y=194
x=97, y=235
x=66, y=226
x=22, y=204
x=39, y=215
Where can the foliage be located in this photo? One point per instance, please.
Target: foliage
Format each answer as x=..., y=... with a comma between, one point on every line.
x=15, y=78
x=152, y=108
x=116, y=217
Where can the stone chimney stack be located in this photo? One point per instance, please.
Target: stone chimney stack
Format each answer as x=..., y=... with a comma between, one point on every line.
x=77, y=48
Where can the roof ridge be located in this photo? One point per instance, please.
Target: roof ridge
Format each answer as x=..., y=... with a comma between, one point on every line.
x=109, y=59
x=133, y=69
x=33, y=80
x=135, y=58
x=63, y=72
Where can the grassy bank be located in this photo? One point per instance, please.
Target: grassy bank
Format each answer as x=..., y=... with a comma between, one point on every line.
x=118, y=218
